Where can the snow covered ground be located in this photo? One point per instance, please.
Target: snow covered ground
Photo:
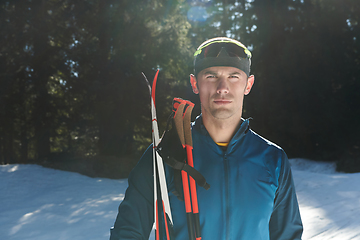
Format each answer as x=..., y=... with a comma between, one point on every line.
x=47, y=204
x=329, y=201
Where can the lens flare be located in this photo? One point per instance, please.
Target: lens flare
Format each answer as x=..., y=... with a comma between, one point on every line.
x=197, y=14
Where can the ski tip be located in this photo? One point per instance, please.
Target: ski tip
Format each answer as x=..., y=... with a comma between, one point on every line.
x=147, y=82
x=144, y=76
x=154, y=86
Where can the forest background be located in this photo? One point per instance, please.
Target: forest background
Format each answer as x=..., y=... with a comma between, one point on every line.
x=72, y=95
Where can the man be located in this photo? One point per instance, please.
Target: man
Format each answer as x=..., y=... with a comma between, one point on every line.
x=252, y=195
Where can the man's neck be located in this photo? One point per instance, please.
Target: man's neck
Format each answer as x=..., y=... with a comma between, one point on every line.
x=221, y=130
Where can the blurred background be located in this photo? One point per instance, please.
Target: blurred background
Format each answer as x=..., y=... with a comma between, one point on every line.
x=72, y=95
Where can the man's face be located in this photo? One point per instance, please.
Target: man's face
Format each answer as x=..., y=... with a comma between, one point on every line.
x=221, y=91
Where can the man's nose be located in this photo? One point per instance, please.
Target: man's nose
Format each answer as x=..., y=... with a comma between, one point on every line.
x=223, y=86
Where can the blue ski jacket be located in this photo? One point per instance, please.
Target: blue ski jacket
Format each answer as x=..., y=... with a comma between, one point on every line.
x=252, y=194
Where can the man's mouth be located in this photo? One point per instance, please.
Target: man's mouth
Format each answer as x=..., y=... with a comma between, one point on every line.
x=222, y=101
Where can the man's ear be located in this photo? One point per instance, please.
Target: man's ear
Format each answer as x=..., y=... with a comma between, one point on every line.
x=249, y=84
x=193, y=83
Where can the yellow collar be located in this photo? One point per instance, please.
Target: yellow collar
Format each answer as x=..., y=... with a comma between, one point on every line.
x=222, y=144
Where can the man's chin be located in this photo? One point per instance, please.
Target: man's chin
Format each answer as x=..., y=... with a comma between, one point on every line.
x=222, y=113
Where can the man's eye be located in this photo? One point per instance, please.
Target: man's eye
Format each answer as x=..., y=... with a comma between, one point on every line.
x=210, y=76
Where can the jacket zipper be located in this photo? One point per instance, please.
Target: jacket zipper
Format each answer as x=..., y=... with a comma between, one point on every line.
x=227, y=208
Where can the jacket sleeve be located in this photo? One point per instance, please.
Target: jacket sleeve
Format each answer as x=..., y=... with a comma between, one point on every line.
x=135, y=217
x=285, y=221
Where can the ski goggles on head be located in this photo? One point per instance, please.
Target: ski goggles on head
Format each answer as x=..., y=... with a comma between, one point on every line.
x=213, y=47
x=222, y=52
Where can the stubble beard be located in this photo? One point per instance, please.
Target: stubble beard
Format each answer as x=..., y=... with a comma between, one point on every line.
x=222, y=112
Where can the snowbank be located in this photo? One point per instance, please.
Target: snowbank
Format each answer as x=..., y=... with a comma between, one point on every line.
x=47, y=204
x=329, y=201
x=38, y=203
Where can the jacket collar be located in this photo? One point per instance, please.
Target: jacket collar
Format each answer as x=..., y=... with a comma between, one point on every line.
x=239, y=135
